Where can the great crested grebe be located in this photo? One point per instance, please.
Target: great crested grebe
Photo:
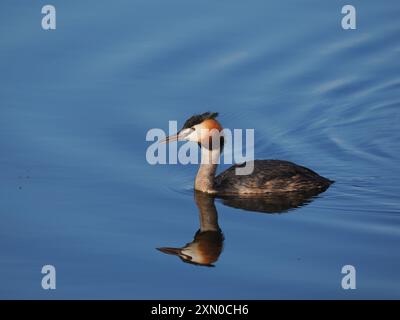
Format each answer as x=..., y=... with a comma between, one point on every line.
x=268, y=176
x=207, y=244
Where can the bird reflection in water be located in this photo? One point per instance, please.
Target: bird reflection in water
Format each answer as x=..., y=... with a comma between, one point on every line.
x=207, y=245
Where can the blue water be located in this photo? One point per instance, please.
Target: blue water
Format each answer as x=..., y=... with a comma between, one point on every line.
x=76, y=103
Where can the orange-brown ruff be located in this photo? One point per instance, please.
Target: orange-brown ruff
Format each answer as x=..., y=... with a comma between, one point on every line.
x=268, y=176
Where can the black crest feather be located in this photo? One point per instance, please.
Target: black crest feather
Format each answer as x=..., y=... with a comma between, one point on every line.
x=199, y=118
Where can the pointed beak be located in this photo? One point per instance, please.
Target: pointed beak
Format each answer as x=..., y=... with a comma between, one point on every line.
x=173, y=251
x=169, y=139
x=181, y=135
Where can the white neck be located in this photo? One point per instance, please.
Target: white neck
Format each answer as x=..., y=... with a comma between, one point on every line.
x=207, y=212
x=205, y=176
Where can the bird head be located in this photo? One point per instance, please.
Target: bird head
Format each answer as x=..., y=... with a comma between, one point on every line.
x=202, y=128
x=204, y=250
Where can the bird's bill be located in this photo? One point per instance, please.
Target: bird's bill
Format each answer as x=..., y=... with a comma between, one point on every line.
x=174, y=251
x=181, y=135
x=169, y=139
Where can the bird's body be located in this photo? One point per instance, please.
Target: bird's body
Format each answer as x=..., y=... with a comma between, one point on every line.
x=269, y=176
x=266, y=176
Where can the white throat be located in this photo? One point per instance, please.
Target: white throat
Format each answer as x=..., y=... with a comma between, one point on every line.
x=208, y=166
